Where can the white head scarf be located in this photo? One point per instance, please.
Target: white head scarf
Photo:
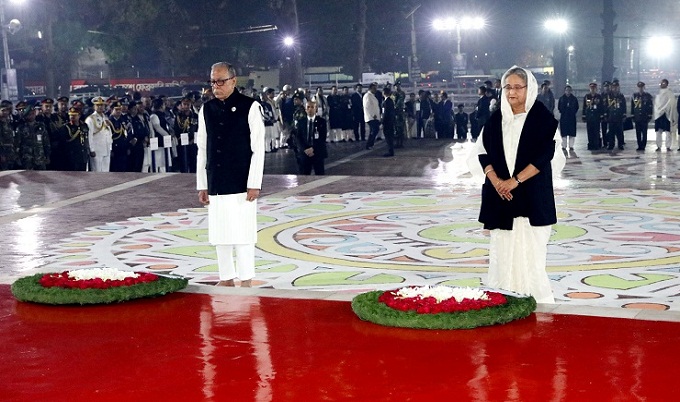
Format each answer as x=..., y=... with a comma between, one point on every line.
x=532, y=93
x=558, y=160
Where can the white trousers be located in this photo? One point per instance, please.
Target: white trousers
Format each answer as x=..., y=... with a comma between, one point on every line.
x=659, y=139
x=244, y=268
x=100, y=163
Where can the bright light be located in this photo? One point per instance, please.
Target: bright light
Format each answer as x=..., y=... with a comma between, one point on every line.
x=288, y=41
x=570, y=49
x=450, y=24
x=659, y=46
x=557, y=25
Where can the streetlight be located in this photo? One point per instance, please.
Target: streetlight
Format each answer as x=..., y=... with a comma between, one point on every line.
x=9, y=81
x=453, y=24
x=658, y=46
x=288, y=41
x=559, y=27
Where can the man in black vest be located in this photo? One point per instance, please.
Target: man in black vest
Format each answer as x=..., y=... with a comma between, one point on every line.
x=229, y=172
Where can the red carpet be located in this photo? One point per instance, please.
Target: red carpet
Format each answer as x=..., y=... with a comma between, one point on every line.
x=195, y=347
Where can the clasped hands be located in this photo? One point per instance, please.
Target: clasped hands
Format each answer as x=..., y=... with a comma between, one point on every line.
x=504, y=188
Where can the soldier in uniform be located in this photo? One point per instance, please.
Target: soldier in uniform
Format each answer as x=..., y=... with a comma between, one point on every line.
x=18, y=115
x=592, y=115
x=120, y=143
x=139, y=137
x=400, y=115
x=45, y=117
x=606, y=86
x=34, y=143
x=75, y=142
x=8, y=150
x=99, y=129
x=60, y=117
x=615, y=113
x=642, y=109
x=186, y=122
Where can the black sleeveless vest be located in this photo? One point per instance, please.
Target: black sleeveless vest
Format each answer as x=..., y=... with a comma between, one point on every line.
x=228, y=147
x=533, y=198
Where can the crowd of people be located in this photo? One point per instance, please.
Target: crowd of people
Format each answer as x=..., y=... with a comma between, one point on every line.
x=130, y=134
x=607, y=116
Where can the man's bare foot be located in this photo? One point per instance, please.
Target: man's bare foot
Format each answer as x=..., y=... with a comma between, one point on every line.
x=247, y=283
x=230, y=283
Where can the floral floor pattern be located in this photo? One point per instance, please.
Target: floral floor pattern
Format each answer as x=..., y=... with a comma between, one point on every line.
x=610, y=248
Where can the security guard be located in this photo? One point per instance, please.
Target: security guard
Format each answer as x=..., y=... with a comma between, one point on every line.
x=593, y=108
x=642, y=109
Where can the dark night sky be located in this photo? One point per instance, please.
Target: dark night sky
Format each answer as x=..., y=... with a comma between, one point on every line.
x=514, y=27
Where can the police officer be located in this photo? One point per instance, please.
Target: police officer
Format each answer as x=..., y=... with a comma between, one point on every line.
x=75, y=142
x=593, y=108
x=8, y=150
x=642, y=109
x=615, y=113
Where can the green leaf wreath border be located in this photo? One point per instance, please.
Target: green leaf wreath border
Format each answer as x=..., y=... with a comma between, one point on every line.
x=367, y=307
x=28, y=289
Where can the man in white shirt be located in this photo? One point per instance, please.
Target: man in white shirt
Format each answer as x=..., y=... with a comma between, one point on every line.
x=372, y=114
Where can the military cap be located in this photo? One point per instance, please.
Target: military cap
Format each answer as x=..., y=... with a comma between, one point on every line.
x=546, y=82
x=593, y=84
x=132, y=104
x=299, y=95
x=5, y=102
x=73, y=111
x=21, y=105
x=47, y=101
x=27, y=110
x=112, y=98
x=116, y=105
x=77, y=102
x=98, y=100
x=606, y=84
x=615, y=83
x=62, y=99
x=640, y=84
x=124, y=101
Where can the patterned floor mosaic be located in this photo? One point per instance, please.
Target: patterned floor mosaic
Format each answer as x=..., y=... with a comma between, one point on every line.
x=610, y=248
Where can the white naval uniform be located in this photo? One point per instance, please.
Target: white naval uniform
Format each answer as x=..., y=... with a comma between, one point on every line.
x=101, y=141
x=232, y=220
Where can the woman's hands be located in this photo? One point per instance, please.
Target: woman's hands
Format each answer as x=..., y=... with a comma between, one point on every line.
x=504, y=187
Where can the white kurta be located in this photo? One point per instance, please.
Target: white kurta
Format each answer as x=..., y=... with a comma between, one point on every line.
x=232, y=219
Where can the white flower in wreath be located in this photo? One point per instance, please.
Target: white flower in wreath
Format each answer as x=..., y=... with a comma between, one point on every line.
x=233, y=109
x=102, y=273
x=441, y=293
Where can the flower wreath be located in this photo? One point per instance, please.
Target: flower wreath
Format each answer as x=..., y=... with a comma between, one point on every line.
x=441, y=307
x=93, y=286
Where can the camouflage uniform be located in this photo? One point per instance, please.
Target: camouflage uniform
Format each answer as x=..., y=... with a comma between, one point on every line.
x=34, y=146
x=8, y=151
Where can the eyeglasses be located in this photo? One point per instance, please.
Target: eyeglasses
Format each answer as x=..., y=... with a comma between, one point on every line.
x=218, y=83
x=516, y=87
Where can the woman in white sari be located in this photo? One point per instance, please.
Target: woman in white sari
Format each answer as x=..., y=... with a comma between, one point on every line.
x=516, y=152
